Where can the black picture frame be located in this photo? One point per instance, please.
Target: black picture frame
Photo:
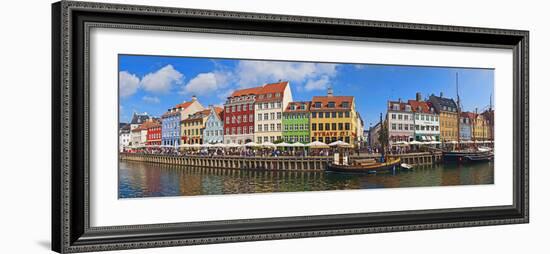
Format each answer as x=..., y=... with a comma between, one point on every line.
x=71, y=231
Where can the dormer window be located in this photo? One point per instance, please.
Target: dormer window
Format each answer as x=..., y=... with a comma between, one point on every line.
x=395, y=106
x=407, y=108
x=345, y=104
x=331, y=104
x=293, y=107
x=318, y=104
x=278, y=95
x=268, y=95
x=261, y=96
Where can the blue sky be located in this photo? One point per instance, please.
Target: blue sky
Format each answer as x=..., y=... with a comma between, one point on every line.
x=153, y=84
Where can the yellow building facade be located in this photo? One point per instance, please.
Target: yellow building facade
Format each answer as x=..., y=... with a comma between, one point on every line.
x=192, y=128
x=448, y=126
x=333, y=118
x=481, y=128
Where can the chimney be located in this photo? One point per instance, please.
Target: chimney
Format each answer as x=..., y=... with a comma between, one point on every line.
x=193, y=98
x=441, y=95
x=418, y=96
x=330, y=92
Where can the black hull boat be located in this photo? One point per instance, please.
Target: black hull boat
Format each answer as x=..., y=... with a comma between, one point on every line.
x=467, y=156
x=366, y=166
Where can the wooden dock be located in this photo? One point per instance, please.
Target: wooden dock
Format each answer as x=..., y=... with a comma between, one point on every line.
x=281, y=163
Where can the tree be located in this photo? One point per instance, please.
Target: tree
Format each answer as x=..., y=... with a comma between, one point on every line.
x=383, y=136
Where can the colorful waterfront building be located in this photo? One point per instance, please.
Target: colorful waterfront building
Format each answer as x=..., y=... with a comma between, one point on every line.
x=238, y=116
x=192, y=128
x=138, y=136
x=171, y=120
x=213, y=128
x=481, y=128
x=271, y=100
x=138, y=119
x=426, y=120
x=124, y=137
x=333, y=118
x=466, y=123
x=448, y=117
x=296, y=122
x=154, y=132
x=400, y=118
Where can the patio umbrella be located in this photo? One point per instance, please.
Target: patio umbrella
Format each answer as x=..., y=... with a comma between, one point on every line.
x=339, y=143
x=251, y=144
x=282, y=144
x=317, y=144
x=267, y=144
x=297, y=144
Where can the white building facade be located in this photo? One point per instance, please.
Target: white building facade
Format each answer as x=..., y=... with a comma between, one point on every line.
x=400, y=122
x=270, y=103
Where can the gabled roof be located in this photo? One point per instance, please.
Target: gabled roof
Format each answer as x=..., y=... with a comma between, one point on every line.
x=184, y=105
x=441, y=102
x=402, y=105
x=139, y=118
x=297, y=106
x=338, y=101
x=421, y=106
x=246, y=91
x=198, y=115
x=469, y=115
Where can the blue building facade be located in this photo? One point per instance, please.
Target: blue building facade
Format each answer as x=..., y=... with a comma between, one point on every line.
x=171, y=128
x=465, y=127
x=213, y=129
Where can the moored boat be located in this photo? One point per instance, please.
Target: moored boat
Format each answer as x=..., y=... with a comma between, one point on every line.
x=365, y=166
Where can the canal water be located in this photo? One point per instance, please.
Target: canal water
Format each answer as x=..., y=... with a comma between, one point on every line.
x=140, y=179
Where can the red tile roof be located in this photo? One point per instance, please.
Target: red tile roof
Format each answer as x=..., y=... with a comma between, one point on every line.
x=298, y=105
x=338, y=101
x=421, y=106
x=247, y=91
x=402, y=105
x=468, y=115
x=184, y=105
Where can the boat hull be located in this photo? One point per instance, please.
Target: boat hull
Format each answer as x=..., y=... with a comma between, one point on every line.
x=377, y=168
x=467, y=157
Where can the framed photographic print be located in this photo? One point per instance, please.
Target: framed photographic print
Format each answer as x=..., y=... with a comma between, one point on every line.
x=181, y=126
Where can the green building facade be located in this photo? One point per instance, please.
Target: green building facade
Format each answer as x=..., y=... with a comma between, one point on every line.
x=296, y=122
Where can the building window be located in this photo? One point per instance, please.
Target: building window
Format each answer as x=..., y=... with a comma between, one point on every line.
x=278, y=127
x=245, y=118
x=393, y=116
x=399, y=117
x=333, y=126
x=327, y=114
x=313, y=114
x=314, y=127
x=340, y=114
x=348, y=114
x=321, y=114
x=320, y=126
x=266, y=127
x=333, y=114
x=318, y=104
x=393, y=126
x=327, y=126
x=266, y=116
x=331, y=104
x=259, y=127
x=272, y=127
x=347, y=126
x=251, y=129
x=272, y=116
x=278, y=115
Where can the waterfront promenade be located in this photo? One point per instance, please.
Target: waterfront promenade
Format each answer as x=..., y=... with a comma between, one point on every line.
x=291, y=163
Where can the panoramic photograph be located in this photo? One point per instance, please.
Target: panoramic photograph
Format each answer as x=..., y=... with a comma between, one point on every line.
x=210, y=126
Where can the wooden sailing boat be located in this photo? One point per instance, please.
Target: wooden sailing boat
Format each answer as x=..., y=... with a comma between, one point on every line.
x=460, y=155
x=341, y=164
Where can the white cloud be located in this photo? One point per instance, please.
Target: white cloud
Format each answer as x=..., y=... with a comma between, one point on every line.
x=129, y=83
x=151, y=99
x=254, y=73
x=162, y=80
x=319, y=84
x=206, y=83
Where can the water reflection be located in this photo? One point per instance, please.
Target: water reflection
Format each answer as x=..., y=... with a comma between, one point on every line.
x=137, y=179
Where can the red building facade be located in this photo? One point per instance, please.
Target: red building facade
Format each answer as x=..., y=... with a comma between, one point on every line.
x=239, y=116
x=154, y=132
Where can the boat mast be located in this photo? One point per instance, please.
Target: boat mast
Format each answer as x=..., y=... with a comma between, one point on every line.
x=458, y=112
